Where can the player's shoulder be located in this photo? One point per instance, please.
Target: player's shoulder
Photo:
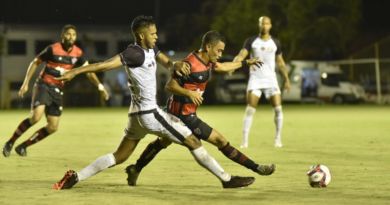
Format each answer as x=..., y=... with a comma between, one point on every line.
x=77, y=50
x=251, y=38
x=275, y=40
x=134, y=48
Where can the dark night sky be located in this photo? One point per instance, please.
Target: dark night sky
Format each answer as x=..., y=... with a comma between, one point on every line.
x=82, y=11
x=374, y=22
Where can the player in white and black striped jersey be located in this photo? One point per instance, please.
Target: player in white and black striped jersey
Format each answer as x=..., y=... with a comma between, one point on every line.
x=263, y=79
x=145, y=117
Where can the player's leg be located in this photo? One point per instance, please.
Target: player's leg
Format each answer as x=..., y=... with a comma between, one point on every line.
x=235, y=155
x=37, y=110
x=133, y=134
x=172, y=128
x=123, y=152
x=252, y=97
x=53, y=114
x=146, y=157
x=276, y=103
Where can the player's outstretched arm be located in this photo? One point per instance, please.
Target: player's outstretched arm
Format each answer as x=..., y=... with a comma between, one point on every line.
x=241, y=55
x=112, y=63
x=231, y=66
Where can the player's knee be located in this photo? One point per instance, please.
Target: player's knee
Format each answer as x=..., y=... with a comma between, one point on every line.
x=51, y=128
x=249, y=110
x=34, y=119
x=192, y=142
x=278, y=112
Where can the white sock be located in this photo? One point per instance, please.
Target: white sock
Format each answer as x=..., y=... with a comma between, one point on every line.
x=205, y=160
x=95, y=167
x=248, y=118
x=278, y=119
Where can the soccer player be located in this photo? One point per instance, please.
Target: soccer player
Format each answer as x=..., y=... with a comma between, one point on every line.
x=187, y=96
x=47, y=94
x=145, y=117
x=263, y=80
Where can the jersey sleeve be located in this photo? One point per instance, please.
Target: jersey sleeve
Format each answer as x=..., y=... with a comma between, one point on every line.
x=133, y=56
x=248, y=43
x=45, y=54
x=278, y=47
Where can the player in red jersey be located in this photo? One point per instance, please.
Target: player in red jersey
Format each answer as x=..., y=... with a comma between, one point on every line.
x=187, y=96
x=47, y=93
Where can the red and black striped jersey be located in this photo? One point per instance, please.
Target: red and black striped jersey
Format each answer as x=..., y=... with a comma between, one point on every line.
x=57, y=61
x=196, y=81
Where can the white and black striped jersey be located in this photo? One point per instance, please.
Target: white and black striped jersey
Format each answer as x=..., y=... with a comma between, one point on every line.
x=141, y=66
x=266, y=51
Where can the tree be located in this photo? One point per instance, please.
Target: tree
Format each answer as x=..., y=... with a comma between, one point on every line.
x=308, y=29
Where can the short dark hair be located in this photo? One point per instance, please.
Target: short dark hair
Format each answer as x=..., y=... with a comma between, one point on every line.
x=67, y=27
x=211, y=37
x=140, y=22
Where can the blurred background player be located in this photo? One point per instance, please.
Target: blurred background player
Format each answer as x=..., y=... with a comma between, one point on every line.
x=263, y=80
x=47, y=94
x=145, y=117
x=187, y=96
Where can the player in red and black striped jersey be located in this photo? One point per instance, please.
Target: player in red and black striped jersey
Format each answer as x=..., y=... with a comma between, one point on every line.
x=187, y=96
x=47, y=94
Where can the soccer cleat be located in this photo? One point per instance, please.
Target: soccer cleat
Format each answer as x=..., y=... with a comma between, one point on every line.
x=278, y=144
x=237, y=182
x=68, y=181
x=7, y=148
x=132, y=175
x=21, y=150
x=266, y=169
x=244, y=145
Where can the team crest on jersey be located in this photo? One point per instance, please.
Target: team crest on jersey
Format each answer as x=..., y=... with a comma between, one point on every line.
x=74, y=60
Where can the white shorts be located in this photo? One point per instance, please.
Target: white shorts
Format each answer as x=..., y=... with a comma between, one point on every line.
x=268, y=92
x=258, y=86
x=156, y=122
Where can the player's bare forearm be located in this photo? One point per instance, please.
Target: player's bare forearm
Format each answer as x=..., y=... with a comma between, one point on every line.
x=93, y=79
x=173, y=87
x=31, y=70
x=228, y=66
x=241, y=55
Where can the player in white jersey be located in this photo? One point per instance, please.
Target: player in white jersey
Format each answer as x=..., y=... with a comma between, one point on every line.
x=263, y=80
x=145, y=117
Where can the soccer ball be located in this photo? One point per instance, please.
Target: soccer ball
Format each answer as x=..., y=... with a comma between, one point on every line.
x=319, y=176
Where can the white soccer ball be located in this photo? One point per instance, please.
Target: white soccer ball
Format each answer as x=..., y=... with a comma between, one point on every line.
x=319, y=176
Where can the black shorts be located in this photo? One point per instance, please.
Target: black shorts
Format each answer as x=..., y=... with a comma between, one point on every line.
x=200, y=129
x=48, y=95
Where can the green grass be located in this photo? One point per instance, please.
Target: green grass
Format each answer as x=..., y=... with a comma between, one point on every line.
x=353, y=141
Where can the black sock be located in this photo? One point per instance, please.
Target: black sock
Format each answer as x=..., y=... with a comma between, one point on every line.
x=148, y=154
x=36, y=137
x=238, y=157
x=22, y=127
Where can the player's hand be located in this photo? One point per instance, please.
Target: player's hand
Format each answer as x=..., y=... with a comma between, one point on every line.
x=196, y=97
x=181, y=68
x=67, y=76
x=104, y=94
x=254, y=61
x=287, y=86
x=23, y=89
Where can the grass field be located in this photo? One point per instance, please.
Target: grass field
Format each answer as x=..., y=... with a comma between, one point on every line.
x=353, y=141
